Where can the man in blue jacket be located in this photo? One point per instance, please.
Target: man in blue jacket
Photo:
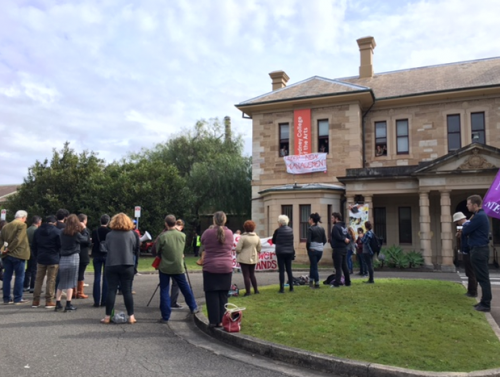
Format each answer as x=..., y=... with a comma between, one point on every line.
x=477, y=231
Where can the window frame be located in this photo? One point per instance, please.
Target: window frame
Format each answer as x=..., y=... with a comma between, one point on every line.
x=380, y=223
x=448, y=133
x=287, y=209
x=283, y=142
x=405, y=237
x=382, y=141
x=324, y=139
x=479, y=131
x=399, y=137
x=303, y=223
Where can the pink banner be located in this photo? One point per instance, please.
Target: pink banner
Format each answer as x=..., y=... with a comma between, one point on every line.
x=267, y=257
x=491, y=201
x=305, y=164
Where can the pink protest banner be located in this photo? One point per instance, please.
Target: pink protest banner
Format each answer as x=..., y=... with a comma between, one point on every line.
x=267, y=257
x=491, y=201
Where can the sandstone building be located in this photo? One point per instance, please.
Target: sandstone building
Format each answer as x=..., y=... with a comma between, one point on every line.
x=412, y=144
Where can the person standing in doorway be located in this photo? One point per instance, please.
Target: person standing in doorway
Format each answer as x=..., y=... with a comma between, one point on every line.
x=477, y=231
x=460, y=221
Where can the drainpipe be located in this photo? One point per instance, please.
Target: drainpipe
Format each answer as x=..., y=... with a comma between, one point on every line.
x=363, y=128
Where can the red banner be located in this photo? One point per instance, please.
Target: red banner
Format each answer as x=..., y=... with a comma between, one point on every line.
x=302, y=131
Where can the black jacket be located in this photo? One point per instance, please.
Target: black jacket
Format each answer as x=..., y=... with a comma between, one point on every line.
x=283, y=239
x=339, y=234
x=46, y=244
x=315, y=233
x=84, y=247
x=97, y=238
x=71, y=244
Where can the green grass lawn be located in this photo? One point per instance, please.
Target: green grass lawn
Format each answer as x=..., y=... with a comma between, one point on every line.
x=145, y=264
x=419, y=324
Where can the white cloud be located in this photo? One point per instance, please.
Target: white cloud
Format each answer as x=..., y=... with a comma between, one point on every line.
x=117, y=76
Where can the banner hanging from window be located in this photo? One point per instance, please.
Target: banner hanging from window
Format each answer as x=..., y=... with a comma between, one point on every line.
x=491, y=201
x=305, y=164
x=302, y=131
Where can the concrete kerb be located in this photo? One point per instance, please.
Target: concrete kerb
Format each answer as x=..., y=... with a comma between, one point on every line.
x=323, y=363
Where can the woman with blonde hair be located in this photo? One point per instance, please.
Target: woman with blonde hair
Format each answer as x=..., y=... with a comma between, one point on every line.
x=122, y=244
x=247, y=255
x=71, y=238
x=285, y=251
x=217, y=267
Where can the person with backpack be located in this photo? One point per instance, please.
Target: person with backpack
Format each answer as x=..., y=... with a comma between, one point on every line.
x=369, y=250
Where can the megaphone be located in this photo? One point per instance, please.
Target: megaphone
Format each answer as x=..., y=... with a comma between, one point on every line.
x=146, y=237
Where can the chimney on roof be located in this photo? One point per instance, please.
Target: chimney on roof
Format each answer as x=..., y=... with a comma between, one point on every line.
x=280, y=78
x=366, y=46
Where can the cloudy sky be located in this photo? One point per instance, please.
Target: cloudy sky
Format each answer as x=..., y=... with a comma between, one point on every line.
x=114, y=76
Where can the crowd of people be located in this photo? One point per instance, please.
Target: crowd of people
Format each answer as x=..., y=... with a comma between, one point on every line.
x=59, y=248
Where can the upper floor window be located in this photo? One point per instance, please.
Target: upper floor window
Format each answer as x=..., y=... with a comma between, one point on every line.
x=454, y=139
x=402, y=136
x=323, y=136
x=477, y=126
x=284, y=139
x=380, y=139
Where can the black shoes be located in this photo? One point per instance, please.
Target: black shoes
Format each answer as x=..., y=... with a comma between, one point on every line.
x=369, y=282
x=470, y=294
x=176, y=306
x=281, y=290
x=481, y=308
x=58, y=307
x=69, y=308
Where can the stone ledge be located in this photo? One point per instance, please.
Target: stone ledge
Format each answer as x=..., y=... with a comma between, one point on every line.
x=322, y=363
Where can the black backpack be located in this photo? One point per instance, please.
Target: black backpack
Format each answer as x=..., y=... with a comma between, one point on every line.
x=375, y=244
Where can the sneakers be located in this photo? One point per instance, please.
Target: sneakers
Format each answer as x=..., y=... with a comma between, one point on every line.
x=482, y=308
x=35, y=304
x=8, y=302
x=195, y=310
x=164, y=321
x=69, y=308
x=176, y=306
x=50, y=305
x=23, y=301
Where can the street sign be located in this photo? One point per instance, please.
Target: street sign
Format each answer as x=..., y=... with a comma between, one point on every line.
x=3, y=216
x=137, y=212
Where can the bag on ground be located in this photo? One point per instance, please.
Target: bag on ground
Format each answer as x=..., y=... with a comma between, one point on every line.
x=233, y=291
x=231, y=321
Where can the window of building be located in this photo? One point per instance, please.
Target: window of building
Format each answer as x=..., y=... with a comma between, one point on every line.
x=405, y=225
x=454, y=139
x=323, y=136
x=284, y=139
x=305, y=212
x=477, y=126
x=402, y=136
x=379, y=223
x=288, y=210
x=380, y=139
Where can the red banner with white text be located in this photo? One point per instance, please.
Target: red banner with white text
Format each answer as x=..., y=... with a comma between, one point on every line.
x=302, y=131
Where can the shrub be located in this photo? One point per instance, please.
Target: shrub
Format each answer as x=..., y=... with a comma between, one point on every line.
x=415, y=259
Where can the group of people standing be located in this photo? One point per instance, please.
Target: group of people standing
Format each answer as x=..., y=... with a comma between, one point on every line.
x=60, y=248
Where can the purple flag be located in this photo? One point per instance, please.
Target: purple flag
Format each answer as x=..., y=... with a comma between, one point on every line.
x=491, y=201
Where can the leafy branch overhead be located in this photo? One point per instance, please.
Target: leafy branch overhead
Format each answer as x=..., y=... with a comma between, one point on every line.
x=196, y=172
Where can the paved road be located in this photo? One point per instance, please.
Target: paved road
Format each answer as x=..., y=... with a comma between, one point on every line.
x=40, y=342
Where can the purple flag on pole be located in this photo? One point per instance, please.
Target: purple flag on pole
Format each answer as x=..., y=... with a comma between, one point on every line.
x=491, y=201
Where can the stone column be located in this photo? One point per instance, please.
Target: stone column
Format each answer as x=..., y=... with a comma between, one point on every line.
x=369, y=202
x=425, y=230
x=446, y=233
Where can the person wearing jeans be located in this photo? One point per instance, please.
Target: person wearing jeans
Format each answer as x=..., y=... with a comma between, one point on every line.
x=285, y=251
x=477, y=230
x=316, y=240
x=340, y=240
x=170, y=248
x=368, y=252
x=16, y=252
x=100, y=291
x=122, y=244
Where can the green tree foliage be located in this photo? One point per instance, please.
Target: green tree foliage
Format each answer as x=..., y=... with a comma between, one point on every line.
x=197, y=172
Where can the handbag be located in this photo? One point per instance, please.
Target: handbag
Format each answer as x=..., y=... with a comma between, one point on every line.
x=231, y=321
x=102, y=244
